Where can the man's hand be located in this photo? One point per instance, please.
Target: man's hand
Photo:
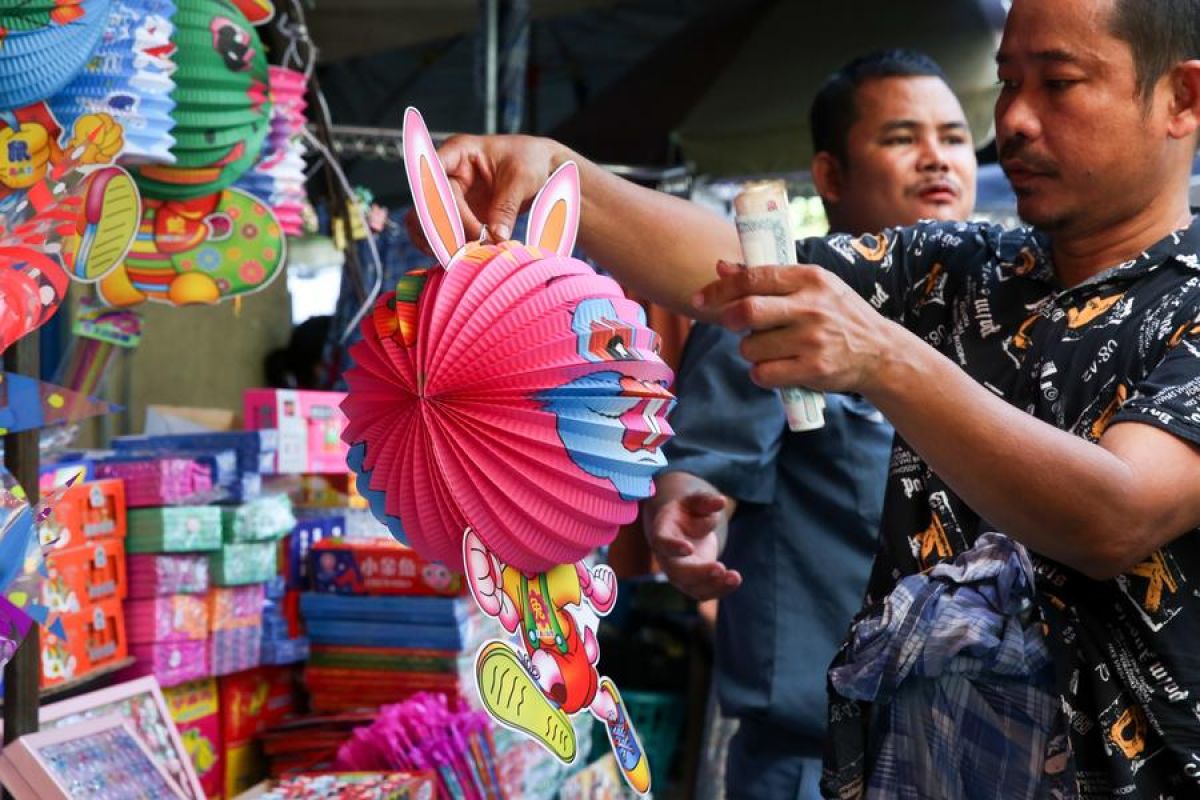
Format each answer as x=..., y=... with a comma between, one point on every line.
x=682, y=530
x=494, y=178
x=807, y=327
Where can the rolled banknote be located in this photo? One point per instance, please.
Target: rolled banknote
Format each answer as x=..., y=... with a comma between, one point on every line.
x=765, y=232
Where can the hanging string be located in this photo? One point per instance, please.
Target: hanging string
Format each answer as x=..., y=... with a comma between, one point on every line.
x=352, y=207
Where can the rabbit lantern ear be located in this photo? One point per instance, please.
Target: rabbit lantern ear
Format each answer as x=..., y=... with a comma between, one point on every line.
x=554, y=215
x=432, y=197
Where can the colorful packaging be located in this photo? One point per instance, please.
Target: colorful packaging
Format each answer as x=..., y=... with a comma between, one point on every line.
x=195, y=709
x=235, y=650
x=255, y=449
x=255, y=699
x=235, y=607
x=356, y=786
x=174, y=529
x=158, y=481
x=310, y=428
x=294, y=549
x=329, y=491
x=172, y=663
x=265, y=519
x=142, y=704
x=241, y=563
x=173, y=618
x=157, y=574
x=85, y=573
x=245, y=766
x=90, y=511
x=94, y=639
x=378, y=567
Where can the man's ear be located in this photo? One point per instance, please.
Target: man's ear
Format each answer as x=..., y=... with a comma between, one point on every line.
x=827, y=177
x=1185, y=100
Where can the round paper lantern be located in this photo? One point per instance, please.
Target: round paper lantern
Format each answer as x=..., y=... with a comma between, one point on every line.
x=278, y=178
x=129, y=78
x=222, y=102
x=511, y=390
x=43, y=45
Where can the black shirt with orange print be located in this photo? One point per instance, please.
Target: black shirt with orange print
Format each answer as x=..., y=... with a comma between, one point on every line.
x=1122, y=346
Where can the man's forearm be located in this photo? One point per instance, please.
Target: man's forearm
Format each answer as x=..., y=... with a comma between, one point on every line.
x=660, y=247
x=1062, y=496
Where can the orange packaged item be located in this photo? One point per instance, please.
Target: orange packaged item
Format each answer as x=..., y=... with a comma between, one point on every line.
x=92, y=510
x=95, y=638
x=80, y=575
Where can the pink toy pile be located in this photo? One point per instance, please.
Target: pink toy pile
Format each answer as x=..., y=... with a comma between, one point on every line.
x=422, y=733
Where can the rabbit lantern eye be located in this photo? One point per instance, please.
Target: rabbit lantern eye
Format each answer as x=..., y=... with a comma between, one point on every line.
x=611, y=340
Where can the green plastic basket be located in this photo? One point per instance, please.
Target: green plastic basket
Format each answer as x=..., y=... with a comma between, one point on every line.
x=658, y=719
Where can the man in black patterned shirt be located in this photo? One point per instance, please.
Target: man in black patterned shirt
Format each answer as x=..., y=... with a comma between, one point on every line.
x=1044, y=382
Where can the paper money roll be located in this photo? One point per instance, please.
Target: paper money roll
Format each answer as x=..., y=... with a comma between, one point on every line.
x=765, y=232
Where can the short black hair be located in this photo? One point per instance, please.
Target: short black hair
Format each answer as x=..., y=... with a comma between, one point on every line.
x=1161, y=34
x=835, y=108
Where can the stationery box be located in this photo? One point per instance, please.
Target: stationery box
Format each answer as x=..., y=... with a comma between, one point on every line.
x=254, y=449
x=241, y=563
x=235, y=607
x=157, y=574
x=378, y=566
x=174, y=529
x=158, y=481
x=176, y=617
x=80, y=575
x=294, y=549
x=235, y=650
x=194, y=708
x=172, y=663
x=94, y=637
x=247, y=487
x=285, y=651
x=254, y=700
x=310, y=428
x=141, y=703
x=265, y=519
x=104, y=754
x=92, y=510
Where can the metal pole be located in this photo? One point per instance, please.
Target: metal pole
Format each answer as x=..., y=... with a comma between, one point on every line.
x=491, y=121
x=21, y=459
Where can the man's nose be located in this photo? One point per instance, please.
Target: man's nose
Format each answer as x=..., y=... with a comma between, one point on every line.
x=1016, y=118
x=933, y=155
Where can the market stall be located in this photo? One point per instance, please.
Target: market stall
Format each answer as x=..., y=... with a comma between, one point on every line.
x=257, y=600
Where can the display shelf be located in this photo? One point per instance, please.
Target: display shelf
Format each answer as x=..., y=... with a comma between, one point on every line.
x=83, y=681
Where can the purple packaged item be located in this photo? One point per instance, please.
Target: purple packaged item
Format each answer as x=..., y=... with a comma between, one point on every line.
x=235, y=650
x=152, y=575
x=158, y=481
x=172, y=663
